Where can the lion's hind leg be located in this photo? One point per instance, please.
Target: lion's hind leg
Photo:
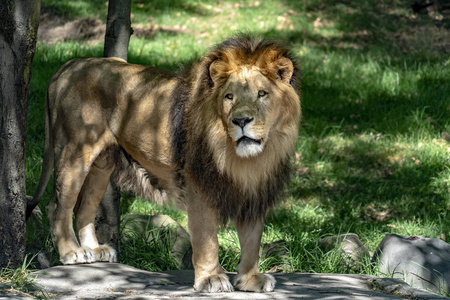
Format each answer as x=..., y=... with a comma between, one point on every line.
x=89, y=199
x=71, y=168
x=73, y=164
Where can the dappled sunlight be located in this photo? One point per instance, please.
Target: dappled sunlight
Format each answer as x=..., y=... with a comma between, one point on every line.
x=372, y=178
x=371, y=157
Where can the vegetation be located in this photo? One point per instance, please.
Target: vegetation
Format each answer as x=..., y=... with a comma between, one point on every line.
x=17, y=282
x=372, y=156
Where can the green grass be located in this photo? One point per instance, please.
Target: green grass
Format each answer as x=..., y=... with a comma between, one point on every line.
x=17, y=282
x=375, y=96
x=148, y=250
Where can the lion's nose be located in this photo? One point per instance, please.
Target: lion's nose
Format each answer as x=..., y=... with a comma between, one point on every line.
x=241, y=122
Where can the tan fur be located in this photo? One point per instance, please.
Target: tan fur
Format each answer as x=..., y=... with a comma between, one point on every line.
x=215, y=141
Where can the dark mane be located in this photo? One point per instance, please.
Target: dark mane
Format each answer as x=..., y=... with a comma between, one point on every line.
x=224, y=195
x=229, y=200
x=179, y=97
x=252, y=47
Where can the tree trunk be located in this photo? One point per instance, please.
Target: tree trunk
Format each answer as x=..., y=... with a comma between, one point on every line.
x=107, y=220
x=117, y=37
x=19, y=20
x=118, y=29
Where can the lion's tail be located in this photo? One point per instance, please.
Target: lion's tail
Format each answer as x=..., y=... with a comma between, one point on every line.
x=47, y=165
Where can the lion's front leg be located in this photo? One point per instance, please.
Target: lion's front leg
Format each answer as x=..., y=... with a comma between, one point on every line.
x=209, y=275
x=248, y=277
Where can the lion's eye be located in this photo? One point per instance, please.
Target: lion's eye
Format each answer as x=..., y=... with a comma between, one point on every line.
x=262, y=93
x=229, y=96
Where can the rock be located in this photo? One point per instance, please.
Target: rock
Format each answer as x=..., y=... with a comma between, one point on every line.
x=350, y=244
x=278, y=252
x=117, y=281
x=180, y=239
x=421, y=262
x=39, y=256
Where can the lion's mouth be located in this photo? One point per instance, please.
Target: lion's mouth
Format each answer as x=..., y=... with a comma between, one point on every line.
x=247, y=147
x=245, y=140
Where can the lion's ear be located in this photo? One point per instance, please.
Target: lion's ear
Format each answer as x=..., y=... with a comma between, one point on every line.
x=219, y=70
x=284, y=68
x=215, y=69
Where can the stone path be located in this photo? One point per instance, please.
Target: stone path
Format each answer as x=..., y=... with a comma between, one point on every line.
x=117, y=281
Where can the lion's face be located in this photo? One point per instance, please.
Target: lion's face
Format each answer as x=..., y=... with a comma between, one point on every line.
x=257, y=104
x=247, y=110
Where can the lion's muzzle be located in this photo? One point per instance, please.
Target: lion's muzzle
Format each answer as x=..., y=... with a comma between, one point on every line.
x=242, y=122
x=247, y=141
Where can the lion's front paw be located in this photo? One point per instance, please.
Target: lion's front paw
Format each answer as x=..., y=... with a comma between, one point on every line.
x=81, y=255
x=213, y=284
x=86, y=255
x=105, y=253
x=255, y=282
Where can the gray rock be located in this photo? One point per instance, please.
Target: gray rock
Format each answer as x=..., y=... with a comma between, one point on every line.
x=350, y=245
x=277, y=253
x=117, y=281
x=421, y=262
x=40, y=257
x=180, y=239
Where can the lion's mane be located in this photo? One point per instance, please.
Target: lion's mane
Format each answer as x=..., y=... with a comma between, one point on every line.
x=238, y=189
x=241, y=189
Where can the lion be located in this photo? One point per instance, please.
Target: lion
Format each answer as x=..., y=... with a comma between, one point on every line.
x=216, y=140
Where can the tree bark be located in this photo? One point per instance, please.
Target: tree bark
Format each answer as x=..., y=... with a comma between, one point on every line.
x=19, y=20
x=118, y=29
x=117, y=37
x=107, y=220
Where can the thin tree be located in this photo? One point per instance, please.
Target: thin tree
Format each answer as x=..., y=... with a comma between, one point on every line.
x=19, y=20
x=117, y=38
x=118, y=29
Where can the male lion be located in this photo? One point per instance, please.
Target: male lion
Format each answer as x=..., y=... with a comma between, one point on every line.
x=215, y=140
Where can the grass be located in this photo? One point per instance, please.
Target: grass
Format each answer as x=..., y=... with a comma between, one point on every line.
x=148, y=250
x=17, y=282
x=370, y=159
